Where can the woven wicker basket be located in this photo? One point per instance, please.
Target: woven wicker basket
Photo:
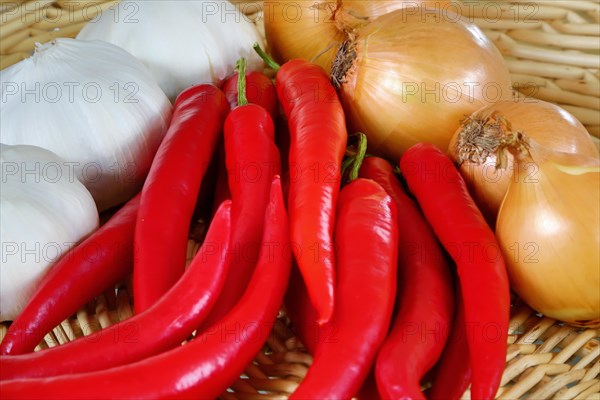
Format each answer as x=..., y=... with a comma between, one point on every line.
x=553, y=51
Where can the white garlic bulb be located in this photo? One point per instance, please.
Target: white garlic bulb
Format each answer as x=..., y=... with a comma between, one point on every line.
x=183, y=43
x=95, y=106
x=45, y=211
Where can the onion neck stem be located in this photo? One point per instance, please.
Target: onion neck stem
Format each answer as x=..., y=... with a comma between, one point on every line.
x=487, y=135
x=515, y=142
x=240, y=67
x=344, y=60
x=266, y=58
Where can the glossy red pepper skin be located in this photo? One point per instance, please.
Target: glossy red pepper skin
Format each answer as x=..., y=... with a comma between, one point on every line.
x=171, y=189
x=259, y=90
x=425, y=299
x=303, y=315
x=100, y=261
x=222, y=192
x=161, y=327
x=453, y=372
x=462, y=230
x=207, y=365
x=282, y=138
x=252, y=161
x=318, y=139
x=366, y=239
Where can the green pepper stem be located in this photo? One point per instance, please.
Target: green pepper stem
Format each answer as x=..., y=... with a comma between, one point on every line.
x=240, y=67
x=266, y=58
x=347, y=164
x=360, y=156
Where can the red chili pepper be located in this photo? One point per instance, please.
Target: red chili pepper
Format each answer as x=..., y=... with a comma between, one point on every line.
x=252, y=161
x=171, y=189
x=303, y=315
x=425, y=299
x=462, y=230
x=222, y=192
x=318, y=143
x=100, y=261
x=203, y=210
x=259, y=90
x=282, y=139
x=207, y=365
x=453, y=373
x=159, y=328
x=369, y=390
x=366, y=239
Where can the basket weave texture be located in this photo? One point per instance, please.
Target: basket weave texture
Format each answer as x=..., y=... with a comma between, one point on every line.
x=552, y=49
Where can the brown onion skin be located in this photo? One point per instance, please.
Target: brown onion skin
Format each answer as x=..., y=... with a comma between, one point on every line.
x=549, y=125
x=414, y=79
x=315, y=29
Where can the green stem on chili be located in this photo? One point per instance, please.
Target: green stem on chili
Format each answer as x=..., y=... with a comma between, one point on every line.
x=240, y=67
x=266, y=58
x=249, y=145
x=360, y=155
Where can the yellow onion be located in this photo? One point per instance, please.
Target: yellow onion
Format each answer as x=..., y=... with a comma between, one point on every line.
x=408, y=78
x=474, y=144
x=315, y=29
x=549, y=232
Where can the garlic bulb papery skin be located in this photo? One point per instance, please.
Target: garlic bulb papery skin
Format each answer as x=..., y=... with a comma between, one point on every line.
x=548, y=229
x=95, y=106
x=45, y=211
x=183, y=43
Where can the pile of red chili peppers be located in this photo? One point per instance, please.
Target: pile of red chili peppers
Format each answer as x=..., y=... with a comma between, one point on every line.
x=387, y=270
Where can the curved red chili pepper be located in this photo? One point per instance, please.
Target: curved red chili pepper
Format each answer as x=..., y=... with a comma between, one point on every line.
x=260, y=90
x=425, y=299
x=366, y=239
x=207, y=365
x=159, y=328
x=318, y=142
x=171, y=189
x=462, y=230
x=101, y=260
x=252, y=161
x=453, y=373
